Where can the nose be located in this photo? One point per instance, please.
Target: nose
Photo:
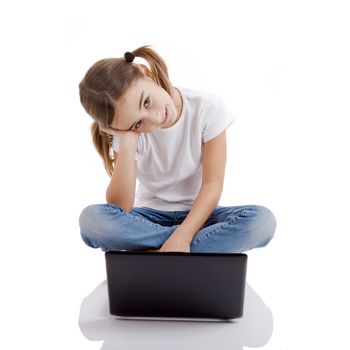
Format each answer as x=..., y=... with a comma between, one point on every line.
x=157, y=119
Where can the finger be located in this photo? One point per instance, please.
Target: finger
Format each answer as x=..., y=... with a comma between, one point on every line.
x=109, y=131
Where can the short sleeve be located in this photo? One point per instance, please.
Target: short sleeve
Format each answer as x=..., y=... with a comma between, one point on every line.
x=116, y=141
x=217, y=118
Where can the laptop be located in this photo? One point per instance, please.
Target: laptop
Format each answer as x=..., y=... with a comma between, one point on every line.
x=176, y=285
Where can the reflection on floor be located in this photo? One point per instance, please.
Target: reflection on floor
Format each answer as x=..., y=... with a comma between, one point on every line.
x=254, y=329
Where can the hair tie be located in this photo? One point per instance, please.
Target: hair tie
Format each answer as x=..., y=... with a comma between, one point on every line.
x=129, y=56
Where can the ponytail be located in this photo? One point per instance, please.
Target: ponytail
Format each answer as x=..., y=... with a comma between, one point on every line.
x=158, y=67
x=103, y=143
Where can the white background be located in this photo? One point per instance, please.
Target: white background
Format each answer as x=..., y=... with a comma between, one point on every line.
x=282, y=67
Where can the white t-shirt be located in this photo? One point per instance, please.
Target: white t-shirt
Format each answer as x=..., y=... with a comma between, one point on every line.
x=169, y=169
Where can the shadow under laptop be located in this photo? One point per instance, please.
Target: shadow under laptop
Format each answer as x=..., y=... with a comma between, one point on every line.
x=254, y=329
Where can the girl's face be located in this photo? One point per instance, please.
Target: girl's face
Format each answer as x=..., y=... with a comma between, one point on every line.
x=144, y=107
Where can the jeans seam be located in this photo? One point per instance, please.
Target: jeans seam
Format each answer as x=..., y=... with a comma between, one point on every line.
x=151, y=217
x=148, y=222
x=163, y=223
x=228, y=222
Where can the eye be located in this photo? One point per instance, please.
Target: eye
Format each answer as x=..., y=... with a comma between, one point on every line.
x=138, y=124
x=147, y=102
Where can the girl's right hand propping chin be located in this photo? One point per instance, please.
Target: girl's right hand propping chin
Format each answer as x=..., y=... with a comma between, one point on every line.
x=125, y=137
x=128, y=139
x=128, y=136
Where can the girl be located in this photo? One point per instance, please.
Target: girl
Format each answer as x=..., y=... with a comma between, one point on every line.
x=173, y=141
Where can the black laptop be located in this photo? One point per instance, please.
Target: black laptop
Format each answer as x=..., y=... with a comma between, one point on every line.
x=176, y=285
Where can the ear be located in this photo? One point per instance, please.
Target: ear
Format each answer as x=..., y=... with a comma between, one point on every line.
x=146, y=72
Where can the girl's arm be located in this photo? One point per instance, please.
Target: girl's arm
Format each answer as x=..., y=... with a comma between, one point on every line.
x=121, y=189
x=213, y=173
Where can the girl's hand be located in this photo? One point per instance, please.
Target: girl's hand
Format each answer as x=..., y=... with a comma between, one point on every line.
x=175, y=243
x=133, y=135
x=109, y=131
x=126, y=137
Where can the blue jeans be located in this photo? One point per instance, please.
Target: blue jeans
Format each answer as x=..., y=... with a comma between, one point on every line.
x=227, y=229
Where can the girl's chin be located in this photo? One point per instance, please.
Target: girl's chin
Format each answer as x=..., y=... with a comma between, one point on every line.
x=171, y=117
x=167, y=120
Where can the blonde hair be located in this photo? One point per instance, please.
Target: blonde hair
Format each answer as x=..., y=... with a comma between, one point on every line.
x=105, y=82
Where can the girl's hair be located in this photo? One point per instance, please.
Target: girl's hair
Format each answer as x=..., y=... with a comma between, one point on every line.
x=105, y=82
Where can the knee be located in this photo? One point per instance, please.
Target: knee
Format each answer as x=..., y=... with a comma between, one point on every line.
x=265, y=224
x=94, y=223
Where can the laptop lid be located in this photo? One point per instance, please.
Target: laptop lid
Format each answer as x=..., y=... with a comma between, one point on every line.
x=175, y=284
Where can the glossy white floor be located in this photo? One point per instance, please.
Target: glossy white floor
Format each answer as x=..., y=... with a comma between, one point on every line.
x=281, y=67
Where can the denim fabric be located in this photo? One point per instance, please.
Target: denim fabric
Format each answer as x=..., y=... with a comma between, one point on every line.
x=227, y=230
